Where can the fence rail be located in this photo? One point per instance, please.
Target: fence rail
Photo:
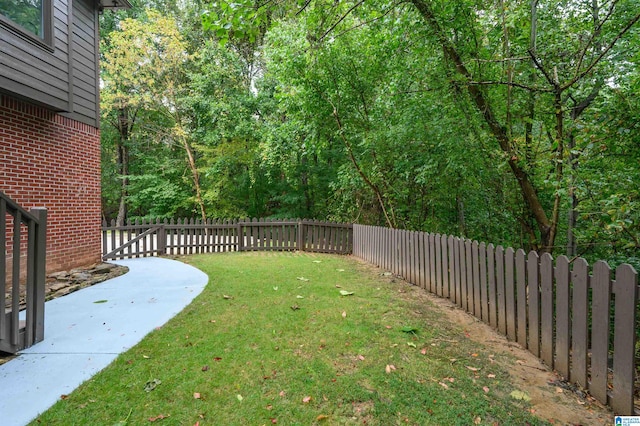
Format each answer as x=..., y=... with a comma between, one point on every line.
x=22, y=273
x=190, y=236
x=579, y=322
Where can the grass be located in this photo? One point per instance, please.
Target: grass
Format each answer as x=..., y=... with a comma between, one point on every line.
x=272, y=341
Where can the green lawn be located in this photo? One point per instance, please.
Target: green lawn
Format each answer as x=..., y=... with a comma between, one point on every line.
x=271, y=340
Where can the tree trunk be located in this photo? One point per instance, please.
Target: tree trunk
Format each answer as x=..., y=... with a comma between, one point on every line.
x=195, y=176
x=124, y=128
x=546, y=228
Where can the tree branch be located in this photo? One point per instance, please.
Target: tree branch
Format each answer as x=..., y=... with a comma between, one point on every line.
x=606, y=50
x=351, y=9
x=512, y=84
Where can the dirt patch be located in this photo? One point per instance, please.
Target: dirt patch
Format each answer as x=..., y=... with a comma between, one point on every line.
x=551, y=399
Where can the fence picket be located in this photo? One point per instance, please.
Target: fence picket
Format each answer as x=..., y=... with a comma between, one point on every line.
x=601, y=285
x=510, y=294
x=477, y=307
x=469, y=273
x=491, y=284
x=484, y=306
x=624, y=342
x=562, y=316
x=521, y=298
x=546, y=308
x=533, y=306
x=500, y=282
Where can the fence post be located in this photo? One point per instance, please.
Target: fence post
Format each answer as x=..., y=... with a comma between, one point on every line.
x=301, y=238
x=162, y=237
x=40, y=272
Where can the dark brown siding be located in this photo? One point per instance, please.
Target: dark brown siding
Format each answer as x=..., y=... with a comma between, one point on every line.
x=54, y=77
x=84, y=63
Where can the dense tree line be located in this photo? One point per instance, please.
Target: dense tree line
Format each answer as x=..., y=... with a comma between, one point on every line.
x=509, y=122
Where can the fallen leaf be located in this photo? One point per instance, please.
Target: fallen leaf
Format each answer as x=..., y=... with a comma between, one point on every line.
x=159, y=417
x=269, y=407
x=423, y=351
x=559, y=390
x=340, y=270
x=317, y=261
x=303, y=279
x=346, y=293
x=146, y=356
x=444, y=385
x=338, y=286
x=217, y=358
x=240, y=398
x=408, y=329
x=275, y=288
x=361, y=358
x=100, y=301
x=299, y=297
x=472, y=368
x=306, y=399
x=389, y=368
x=151, y=385
x=205, y=368
x=196, y=395
x=519, y=395
x=64, y=396
x=321, y=417
x=224, y=296
x=344, y=314
x=485, y=389
x=474, y=355
x=413, y=345
x=491, y=376
x=295, y=307
x=477, y=421
x=282, y=393
x=274, y=421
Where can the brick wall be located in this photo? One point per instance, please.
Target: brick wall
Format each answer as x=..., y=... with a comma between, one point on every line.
x=47, y=160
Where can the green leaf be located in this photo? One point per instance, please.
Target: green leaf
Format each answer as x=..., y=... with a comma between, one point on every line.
x=346, y=293
x=409, y=329
x=101, y=301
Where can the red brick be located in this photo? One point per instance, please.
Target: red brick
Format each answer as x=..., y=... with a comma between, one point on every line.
x=52, y=161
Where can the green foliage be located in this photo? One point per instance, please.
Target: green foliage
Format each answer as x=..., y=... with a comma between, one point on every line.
x=358, y=111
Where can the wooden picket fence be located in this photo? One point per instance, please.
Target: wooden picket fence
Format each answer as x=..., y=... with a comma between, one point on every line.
x=143, y=238
x=579, y=322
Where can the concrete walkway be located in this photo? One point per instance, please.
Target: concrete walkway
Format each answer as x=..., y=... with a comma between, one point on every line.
x=86, y=330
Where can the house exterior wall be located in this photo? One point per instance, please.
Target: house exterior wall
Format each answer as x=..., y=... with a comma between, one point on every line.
x=64, y=76
x=53, y=161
